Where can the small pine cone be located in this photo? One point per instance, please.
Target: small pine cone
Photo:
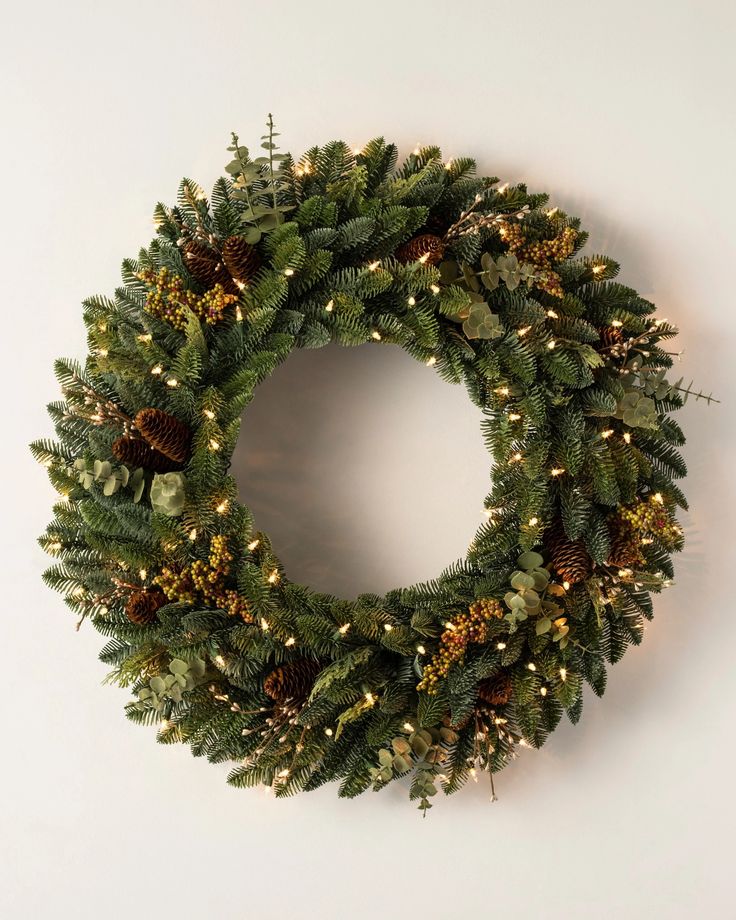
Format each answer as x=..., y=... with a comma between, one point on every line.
x=137, y=453
x=610, y=336
x=496, y=690
x=241, y=259
x=625, y=547
x=142, y=606
x=204, y=264
x=569, y=558
x=293, y=680
x=164, y=433
x=427, y=246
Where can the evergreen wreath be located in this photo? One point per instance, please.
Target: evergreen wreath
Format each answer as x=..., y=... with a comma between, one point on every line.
x=481, y=281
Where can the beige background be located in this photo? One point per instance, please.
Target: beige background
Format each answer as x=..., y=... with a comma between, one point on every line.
x=368, y=471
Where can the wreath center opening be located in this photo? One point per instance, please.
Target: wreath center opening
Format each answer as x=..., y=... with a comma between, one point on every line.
x=367, y=471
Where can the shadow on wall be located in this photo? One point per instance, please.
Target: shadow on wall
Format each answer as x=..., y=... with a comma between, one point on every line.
x=367, y=471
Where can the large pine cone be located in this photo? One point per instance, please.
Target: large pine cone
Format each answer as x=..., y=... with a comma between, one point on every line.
x=164, y=433
x=293, y=680
x=241, y=259
x=569, y=558
x=137, y=453
x=426, y=245
x=625, y=546
x=204, y=264
x=142, y=606
x=496, y=690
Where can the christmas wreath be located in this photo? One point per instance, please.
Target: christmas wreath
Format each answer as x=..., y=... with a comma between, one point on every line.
x=482, y=282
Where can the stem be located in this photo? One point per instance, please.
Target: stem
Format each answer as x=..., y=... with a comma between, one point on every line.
x=270, y=160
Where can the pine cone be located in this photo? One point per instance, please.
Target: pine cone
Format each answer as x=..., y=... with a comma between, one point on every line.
x=164, y=433
x=610, y=336
x=204, y=264
x=142, y=606
x=625, y=546
x=241, y=259
x=137, y=453
x=293, y=680
x=427, y=244
x=569, y=558
x=496, y=690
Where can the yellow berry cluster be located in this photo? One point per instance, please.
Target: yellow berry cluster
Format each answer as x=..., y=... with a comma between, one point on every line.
x=169, y=299
x=203, y=582
x=650, y=517
x=542, y=254
x=467, y=628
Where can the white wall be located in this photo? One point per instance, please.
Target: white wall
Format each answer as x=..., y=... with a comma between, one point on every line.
x=625, y=112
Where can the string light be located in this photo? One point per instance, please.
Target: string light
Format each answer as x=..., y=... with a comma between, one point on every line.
x=516, y=458
x=500, y=646
x=417, y=151
x=552, y=344
x=658, y=498
x=412, y=301
x=533, y=521
x=432, y=361
x=172, y=382
x=514, y=416
x=288, y=272
x=103, y=352
x=193, y=534
x=388, y=627
x=434, y=288
x=532, y=666
x=329, y=732
x=552, y=212
x=273, y=578
x=616, y=323
x=143, y=574
x=164, y=725
x=145, y=337
x=214, y=444
x=208, y=413
x=448, y=164
x=557, y=471
x=597, y=269
x=374, y=265
x=503, y=391
x=376, y=335
x=607, y=433
x=219, y=660
x=421, y=650
x=156, y=370
x=264, y=625
x=222, y=507
x=552, y=314
x=543, y=691
x=566, y=585
x=627, y=437
x=357, y=150
x=344, y=628
x=254, y=544
x=239, y=314
x=290, y=641
x=502, y=189
x=370, y=698
x=330, y=306
x=523, y=331
x=563, y=674
x=408, y=727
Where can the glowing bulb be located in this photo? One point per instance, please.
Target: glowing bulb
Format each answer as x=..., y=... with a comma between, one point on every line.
x=264, y=625
x=533, y=521
x=146, y=337
x=500, y=646
x=597, y=269
x=254, y=544
x=543, y=691
x=172, y=382
x=563, y=673
x=208, y=413
x=566, y=585
x=374, y=265
x=222, y=507
x=273, y=577
x=193, y=534
x=388, y=627
x=219, y=660
x=503, y=391
x=103, y=352
x=412, y=301
x=432, y=361
x=551, y=344
x=448, y=164
x=552, y=314
x=408, y=727
x=532, y=666
x=627, y=437
x=658, y=498
x=156, y=370
x=376, y=335
x=514, y=416
x=143, y=574
x=329, y=732
x=290, y=641
x=516, y=458
x=288, y=272
x=421, y=650
x=434, y=288
x=214, y=444
x=369, y=698
x=523, y=331
x=344, y=628
x=330, y=306
x=557, y=471
x=502, y=189
x=616, y=323
x=607, y=433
